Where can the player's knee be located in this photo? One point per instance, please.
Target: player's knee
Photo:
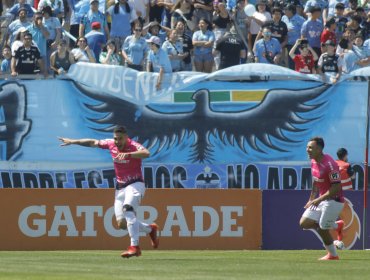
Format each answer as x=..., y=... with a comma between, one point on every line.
x=306, y=224
x=122, y=224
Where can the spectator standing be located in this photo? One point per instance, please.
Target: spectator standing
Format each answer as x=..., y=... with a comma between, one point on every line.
x=123, y=15
x=134, y=49
x=242, y=20
x=203, y=41
x=353, y=57
x=53, y=26
x=82, y=53
x=279, y=31
x=333, y=3
x=267, y=49
x=6, y=62
x=340, y=20
x=294, y=24
x=305, y=60
x=14, y=10
x=330, y=63
x=27, y=59
x=158, y=60
x=141, y=8
x=40, y=35
x=220, y=22
x=15, y=25
x=174, y=49
x=182, y=10
x=156, y=10
x=312, y=29
x=231, y=48
x=259, y=18
x=93, y=15
x=322, y=4
x=187, y=44
x=61, y=59
x=202, y=9
x=329, y=31
x=95, y=39
x=110, y=55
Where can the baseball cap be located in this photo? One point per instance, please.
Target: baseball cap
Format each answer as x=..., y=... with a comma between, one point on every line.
x=154, y=40
x=92, y=1
x=96, y=25
x=329, y=43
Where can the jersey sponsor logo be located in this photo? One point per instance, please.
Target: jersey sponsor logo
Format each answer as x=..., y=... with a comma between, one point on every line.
x=334, y=176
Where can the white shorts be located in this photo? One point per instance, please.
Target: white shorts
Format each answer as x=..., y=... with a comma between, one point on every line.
x=131, y=195
x=326, y=213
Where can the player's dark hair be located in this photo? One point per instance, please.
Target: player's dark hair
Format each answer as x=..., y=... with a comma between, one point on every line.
x=120, y=129
x=319, y=141
x=341, y=153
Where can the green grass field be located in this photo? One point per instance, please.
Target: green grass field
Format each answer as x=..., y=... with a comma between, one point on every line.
x=225, y=265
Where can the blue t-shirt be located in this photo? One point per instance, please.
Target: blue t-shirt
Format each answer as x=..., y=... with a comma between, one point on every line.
x=159, y=60
x=38, y=38
x=121, y=22
x=13, y=11
x=91, y=17
x=95, y=40
x=208, y=36
x=5, y=66
x=294, y=25
x=135, y=49
x=311, y=30
x=174, y=49
x=263, y=48
x=333, y=3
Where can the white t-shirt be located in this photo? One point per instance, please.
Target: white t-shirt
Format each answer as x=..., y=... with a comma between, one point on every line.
x=140, y=6
x=255, y=28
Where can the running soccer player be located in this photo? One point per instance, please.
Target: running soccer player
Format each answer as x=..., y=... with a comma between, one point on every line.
x=127, y=156
x=326, y=200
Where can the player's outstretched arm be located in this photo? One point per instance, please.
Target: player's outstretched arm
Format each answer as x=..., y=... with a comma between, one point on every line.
x=81, y=142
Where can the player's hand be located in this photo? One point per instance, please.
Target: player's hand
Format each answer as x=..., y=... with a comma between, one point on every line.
x=313, y=203
x=65, y=141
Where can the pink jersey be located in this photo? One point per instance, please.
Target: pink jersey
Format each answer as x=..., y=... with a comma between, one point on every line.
x=325, y=174
x=127, y=171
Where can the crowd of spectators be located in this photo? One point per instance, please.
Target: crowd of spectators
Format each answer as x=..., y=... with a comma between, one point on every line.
x=313, y=36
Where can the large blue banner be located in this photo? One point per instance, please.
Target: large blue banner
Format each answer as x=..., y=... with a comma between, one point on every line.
x=236, y=128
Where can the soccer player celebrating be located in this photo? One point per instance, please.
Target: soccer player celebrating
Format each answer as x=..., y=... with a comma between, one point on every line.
x=326, y=200
x=127, y=156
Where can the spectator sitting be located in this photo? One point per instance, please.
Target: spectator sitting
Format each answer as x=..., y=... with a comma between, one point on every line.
x=231, y=48
x=13, y=27
x=134, y=49
x=330, y=63
x=95, y=39
x=110, y=55
x=6, y=62
x=158, y=60
x=61, y=59
x=27, y=59
x=267, y=49
x=14, y=10
x=82, y=53
x=305, y=61
x=174, y=49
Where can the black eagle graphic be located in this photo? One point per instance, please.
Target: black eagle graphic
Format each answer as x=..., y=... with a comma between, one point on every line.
x=13, y=123
x=260, y=124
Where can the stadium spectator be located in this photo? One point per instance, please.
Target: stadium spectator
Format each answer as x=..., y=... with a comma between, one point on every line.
x=95, y=39
x=341, y=21
x=220, y=21
x=61, y=59
x=158, y=60
x=167, y=14
x=155, y=29
x=329, y=31
x=203, y=41
x=231, y=49
x=187, y=44
x=40, y=35
x=242, y=20
x=53, y=26
x=353, y=57
x=267, y=49
x=312, y=29
x=333, y=3
x=123, y=15
x=322, y=4
x=305, y=60
x=82, y=53
x=355, y=25
x=202, y=10
x=259, y=18
x=14, y=10
x=174, y=49
x=130, y=188
x=27, y=59
x=7, y=58
x=56, y=6
x=15, y=25
x=142, y=9
x=134, y=49
x=294, y=24
x=155, y=10
x=110, y=55
x=93, y=15
x=330, y=63
x=182, y=10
